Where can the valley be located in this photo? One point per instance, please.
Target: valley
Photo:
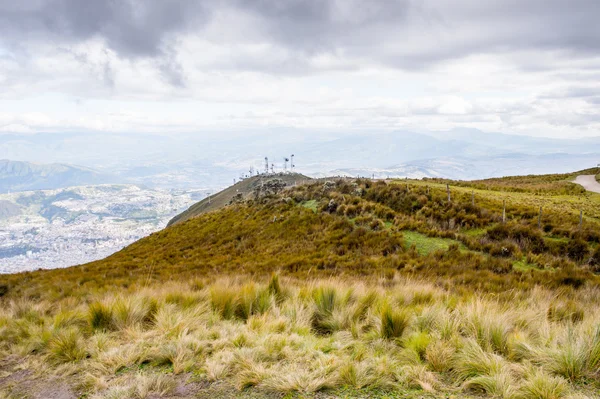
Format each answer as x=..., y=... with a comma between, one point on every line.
x=65, y=227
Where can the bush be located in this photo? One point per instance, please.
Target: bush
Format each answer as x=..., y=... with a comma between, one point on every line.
x=577, y=249
x=594, y=261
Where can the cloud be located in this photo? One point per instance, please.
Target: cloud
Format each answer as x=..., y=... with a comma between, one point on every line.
x=401, y=33
x=131, y=28
x=504, y=65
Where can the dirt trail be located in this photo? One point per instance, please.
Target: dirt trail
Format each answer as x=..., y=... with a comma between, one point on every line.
x=588, y=182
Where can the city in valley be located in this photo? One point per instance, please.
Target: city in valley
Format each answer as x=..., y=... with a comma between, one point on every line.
x=71, y=226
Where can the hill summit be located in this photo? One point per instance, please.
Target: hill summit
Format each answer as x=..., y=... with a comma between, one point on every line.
x=252, y=187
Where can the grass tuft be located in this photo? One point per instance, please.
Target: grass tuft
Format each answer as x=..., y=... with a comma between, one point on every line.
x=100, y=316
x=322, y=320
x=393, y=323
x=543, y=386
x=67, y=346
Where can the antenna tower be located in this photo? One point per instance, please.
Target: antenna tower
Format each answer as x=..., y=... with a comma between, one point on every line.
x=272, y=168
x=292, y=166
x=285, y=162
x=266, y=165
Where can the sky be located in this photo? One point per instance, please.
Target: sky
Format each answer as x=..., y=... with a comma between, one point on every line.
x=167, y=66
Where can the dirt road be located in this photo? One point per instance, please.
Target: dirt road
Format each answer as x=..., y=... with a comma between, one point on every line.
x=588, y=182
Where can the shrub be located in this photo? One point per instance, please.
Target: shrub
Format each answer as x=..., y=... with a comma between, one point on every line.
x=594, y=261
x=577, y=249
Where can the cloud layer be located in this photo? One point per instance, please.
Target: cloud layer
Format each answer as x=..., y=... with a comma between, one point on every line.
x=174, y=65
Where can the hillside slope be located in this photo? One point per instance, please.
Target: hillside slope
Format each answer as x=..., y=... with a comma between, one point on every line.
x=349, y=289
x=241, y=191
x=362, y=228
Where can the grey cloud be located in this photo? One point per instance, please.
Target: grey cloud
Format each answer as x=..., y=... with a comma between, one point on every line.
x=573, y=92
x=322, y=25
x=406, y=34
x=131, y=28
x=593, y=100
x=410, y=34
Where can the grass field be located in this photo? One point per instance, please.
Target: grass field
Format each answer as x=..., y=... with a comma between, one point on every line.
x=393, y=338
x=426, y=245
x=587, y=202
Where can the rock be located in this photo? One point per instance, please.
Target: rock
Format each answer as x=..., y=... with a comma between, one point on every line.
x=332, y=206
x=328, y=185
x=269, y=187
x=239, y=197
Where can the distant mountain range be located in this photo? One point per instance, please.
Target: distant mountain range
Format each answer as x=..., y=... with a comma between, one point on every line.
x=27, y=176
x=475, y=168
x=212, y=160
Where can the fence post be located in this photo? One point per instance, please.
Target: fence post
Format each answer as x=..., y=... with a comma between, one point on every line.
x=473, y=197
x=448, y=191
x=503, y=211
x=580, y=219
x=540, y=219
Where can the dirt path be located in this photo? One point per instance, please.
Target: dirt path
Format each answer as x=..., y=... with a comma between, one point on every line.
x=588, y=182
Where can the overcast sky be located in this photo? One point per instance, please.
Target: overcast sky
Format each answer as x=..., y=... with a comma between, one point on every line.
x=527, y=67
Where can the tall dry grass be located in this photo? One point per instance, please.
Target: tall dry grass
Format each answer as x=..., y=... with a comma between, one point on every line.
x=286, y=335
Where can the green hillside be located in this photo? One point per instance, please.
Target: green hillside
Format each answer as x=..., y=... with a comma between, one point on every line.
x=355, y=289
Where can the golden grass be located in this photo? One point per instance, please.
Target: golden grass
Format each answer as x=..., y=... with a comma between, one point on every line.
x=284, y=335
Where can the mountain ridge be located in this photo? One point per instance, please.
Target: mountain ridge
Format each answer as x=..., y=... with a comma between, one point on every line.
x=29, y=176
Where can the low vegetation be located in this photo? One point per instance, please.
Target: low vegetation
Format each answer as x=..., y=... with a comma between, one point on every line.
x=379, y=290
x=288, y=336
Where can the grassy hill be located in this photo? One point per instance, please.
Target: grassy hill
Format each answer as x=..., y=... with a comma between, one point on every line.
x=241, y=191
x=328, y=289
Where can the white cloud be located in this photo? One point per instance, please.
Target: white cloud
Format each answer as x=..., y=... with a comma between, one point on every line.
x=381, y=65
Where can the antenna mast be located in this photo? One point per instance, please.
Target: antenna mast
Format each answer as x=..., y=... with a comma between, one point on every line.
x=285, y=162
x=272, y=168
x=292, y=166
x=266, y=165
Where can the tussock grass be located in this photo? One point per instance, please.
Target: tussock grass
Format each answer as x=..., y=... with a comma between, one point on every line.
x=282, y=335
x=393, y=322
x=66, y=346
x=322, y=320
x=541, y=385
